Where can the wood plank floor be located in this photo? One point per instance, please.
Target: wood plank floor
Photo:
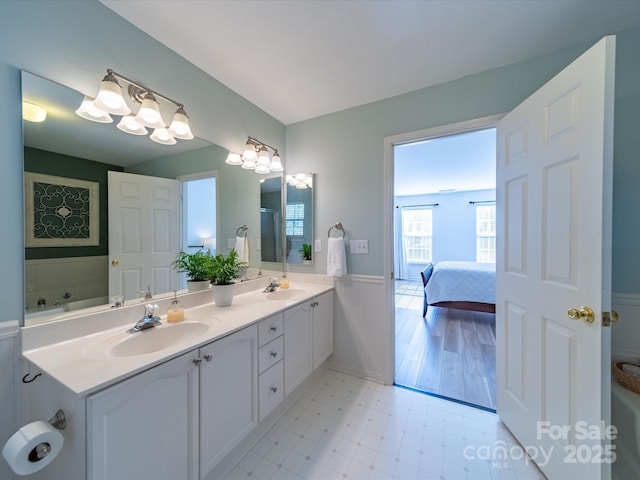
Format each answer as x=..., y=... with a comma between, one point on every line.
x=450, y=352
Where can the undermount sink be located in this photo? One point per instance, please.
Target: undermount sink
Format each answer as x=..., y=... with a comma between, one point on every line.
x=154, y=339
x=286, y=294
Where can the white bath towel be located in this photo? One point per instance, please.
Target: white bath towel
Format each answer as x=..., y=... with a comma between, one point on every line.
x=242, y=247
x=336, y=257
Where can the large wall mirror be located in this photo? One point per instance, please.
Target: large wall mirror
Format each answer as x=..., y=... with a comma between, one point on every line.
x=299, y=218
x=61, y=277
x=271, y=237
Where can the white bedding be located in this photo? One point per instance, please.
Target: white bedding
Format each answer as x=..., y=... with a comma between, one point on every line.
x=462, y=282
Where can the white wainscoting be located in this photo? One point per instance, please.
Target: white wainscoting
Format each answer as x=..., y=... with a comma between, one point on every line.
x=9, y=351
x=625, y=334
x=360, y=327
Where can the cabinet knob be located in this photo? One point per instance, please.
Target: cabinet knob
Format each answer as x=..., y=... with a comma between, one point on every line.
x=208, y=358
x=274, y=329
x=196, y=361
x=274, y=354
x=274, y=389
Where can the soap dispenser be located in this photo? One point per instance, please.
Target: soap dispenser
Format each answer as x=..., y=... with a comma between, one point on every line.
x=175, y=312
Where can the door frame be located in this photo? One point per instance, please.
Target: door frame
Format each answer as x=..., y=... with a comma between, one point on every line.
x=388, y=211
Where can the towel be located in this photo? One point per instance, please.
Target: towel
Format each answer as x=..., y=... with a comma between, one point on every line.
x=336, y=257
x=242, y=247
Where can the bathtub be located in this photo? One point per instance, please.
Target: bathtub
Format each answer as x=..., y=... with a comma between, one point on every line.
x=625, y=415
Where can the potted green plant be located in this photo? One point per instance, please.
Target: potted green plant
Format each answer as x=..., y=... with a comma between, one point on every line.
x=197, y=266
x=305, y=251
x=224, y=270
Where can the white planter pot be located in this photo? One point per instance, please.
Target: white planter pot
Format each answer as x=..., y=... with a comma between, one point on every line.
x=197, y=285
x=222, y=295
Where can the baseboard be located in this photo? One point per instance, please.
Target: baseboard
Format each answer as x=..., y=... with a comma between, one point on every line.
x=356, y=372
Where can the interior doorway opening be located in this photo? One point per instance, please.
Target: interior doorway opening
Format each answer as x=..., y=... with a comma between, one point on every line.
x=444, y=217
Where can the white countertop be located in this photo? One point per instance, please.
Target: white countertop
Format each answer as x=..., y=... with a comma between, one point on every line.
x=79, y=362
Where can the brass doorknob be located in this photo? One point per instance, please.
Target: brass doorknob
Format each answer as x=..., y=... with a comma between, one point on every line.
x=583, y=313
x=115, y=262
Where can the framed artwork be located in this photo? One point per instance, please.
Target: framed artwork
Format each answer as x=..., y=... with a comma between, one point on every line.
x=60, y=212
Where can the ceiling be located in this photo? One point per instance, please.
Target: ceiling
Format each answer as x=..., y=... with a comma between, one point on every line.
x=301, y=59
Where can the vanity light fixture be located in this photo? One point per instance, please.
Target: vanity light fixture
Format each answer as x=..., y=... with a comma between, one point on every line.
x=256, y=157
x=111, y=101
x=33, y=113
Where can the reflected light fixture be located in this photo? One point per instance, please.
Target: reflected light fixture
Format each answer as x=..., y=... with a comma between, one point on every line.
x=33, y=113
x=300, y=180
x=256, y=157
x=110, y=100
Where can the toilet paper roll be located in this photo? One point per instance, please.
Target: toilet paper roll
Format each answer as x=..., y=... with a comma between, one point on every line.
x=32, y=447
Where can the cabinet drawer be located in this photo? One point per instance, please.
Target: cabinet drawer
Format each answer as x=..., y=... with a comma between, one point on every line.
x=270, y=328
x=271, y=389
x=270, y=353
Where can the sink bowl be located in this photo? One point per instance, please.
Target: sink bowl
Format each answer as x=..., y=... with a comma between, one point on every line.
x=286, y=294
x=148, y=341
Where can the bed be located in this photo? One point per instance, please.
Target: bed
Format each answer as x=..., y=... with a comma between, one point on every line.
x=462, y=285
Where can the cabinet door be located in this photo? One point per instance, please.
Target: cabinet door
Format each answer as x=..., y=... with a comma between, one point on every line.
x=298, y=354
x=322, y=328
x=146, y=427
x=228, y=394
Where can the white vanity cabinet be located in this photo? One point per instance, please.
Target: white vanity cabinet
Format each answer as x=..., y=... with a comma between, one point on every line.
x=308, y=338
x=322, y=309
x=270, y=363
x=147, y=426
x=228, y=394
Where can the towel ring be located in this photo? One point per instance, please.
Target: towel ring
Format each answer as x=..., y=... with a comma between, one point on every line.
x=241, y=231
x=337, y=226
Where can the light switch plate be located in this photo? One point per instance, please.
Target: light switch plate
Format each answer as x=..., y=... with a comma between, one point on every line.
x=317, y=245
x=359, y=247
x=258, y=244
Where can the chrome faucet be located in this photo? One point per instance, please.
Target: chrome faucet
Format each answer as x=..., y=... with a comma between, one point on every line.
x=273, y=284
x=149, y=320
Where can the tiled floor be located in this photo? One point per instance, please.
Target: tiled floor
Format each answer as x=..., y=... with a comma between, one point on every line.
x=344, y=427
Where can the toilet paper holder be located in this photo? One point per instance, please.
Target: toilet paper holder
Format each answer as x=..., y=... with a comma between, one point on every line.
x=43, y=449
x=59, y=421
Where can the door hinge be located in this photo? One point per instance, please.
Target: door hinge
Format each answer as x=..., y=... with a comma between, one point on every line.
x=608, y=317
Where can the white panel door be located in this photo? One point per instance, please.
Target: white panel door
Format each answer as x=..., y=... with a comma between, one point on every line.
x=554, y=217
x=298, y=345
x=144, y=234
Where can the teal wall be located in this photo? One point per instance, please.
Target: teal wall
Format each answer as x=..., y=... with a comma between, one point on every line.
x=345, y=149
x=52, y=163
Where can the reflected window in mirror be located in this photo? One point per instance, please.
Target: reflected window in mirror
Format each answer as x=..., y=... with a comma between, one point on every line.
x=299, y=219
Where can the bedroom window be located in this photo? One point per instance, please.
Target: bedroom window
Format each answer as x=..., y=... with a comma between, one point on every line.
x=486, y=234
x=295, y=219
x=417, y=234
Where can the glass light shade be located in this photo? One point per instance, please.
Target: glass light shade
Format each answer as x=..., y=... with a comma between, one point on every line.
x=128, y=124
x=33, y=113
x=149, y=113
x=262, y=169
x=263, y=158
x=276, y=163
x=109, y=98
x=163, y=137
x=89, y=111
x=249, y=164
x=179, y=127
x=250, y=154
x=233, y=159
